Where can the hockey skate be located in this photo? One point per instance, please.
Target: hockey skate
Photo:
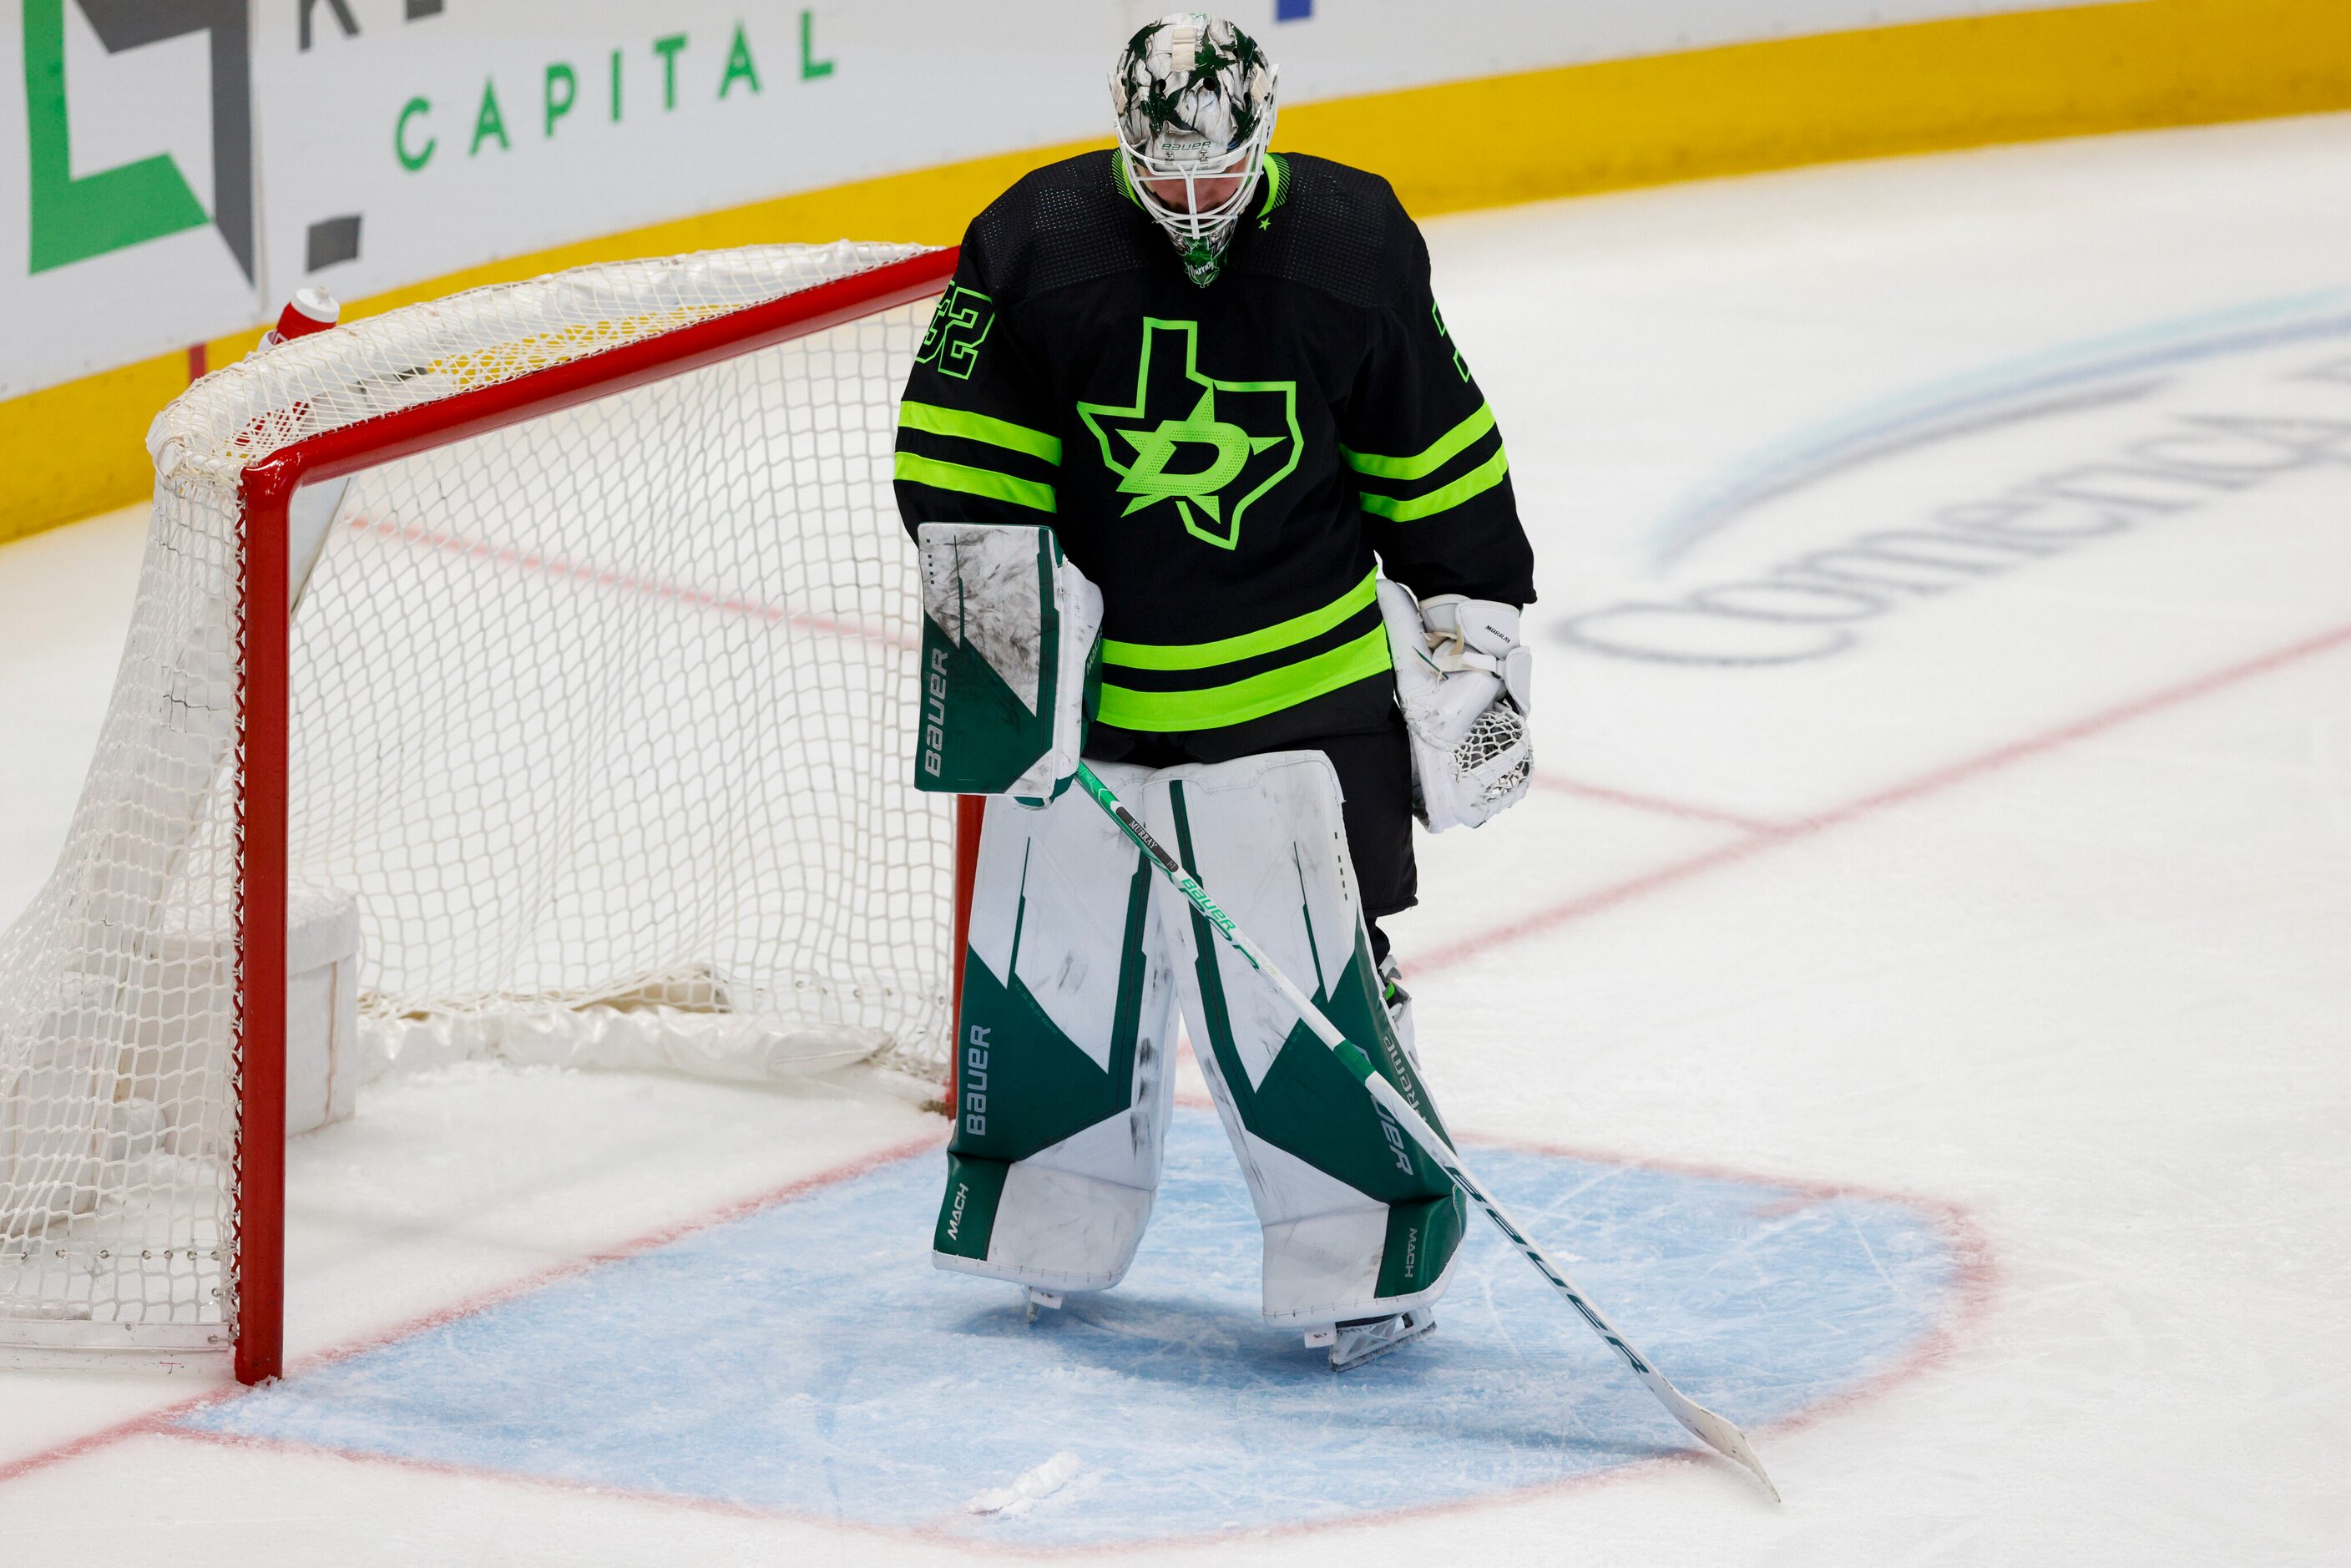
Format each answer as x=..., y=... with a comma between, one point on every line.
x=1360, y=1339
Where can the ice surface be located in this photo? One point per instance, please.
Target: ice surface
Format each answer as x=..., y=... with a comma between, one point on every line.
x=2032, y=899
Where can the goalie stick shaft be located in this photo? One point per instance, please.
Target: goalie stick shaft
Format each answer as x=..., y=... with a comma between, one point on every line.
x=1710, y=1429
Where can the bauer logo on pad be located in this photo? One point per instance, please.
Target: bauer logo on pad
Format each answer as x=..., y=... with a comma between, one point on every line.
x=1012, y=656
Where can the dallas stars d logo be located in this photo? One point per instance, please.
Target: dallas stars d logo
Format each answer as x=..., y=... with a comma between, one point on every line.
x=1210, y=448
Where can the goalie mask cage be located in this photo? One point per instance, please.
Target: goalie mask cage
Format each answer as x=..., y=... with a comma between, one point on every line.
x=596, y=694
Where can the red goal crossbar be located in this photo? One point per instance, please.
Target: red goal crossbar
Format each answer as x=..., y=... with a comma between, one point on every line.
x=262, y=629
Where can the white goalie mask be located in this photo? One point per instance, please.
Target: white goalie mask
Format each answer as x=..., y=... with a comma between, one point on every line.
x=1192, y=95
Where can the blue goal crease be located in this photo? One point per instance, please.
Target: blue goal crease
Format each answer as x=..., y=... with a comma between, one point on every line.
x=806, y=1359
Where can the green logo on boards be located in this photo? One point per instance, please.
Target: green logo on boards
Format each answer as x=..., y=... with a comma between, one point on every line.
x=1209, y=448
x=73, y=218
x=958, y=327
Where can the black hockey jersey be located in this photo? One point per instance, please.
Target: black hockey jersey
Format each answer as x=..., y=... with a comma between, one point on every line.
x=1226, y=463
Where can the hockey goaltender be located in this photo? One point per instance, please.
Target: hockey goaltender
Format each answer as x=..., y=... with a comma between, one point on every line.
x=1205, y=495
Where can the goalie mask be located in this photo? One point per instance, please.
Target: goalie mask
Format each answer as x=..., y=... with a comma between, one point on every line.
x=1193, y=98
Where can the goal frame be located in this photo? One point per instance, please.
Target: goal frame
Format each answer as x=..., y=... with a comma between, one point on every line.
x=261, y=629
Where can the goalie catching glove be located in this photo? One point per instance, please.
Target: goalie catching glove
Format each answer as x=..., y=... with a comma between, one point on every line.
x=1463, y=682
x=1012, y=661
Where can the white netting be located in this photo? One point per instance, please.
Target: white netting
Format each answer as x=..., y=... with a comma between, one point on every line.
x=604, y=718
x=1494, y=734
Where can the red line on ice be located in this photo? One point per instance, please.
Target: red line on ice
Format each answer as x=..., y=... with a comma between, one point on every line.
x=1652, y=804
x=627, y=582
x=1763, y=837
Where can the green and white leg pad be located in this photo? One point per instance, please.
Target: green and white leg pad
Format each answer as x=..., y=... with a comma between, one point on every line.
x=1063, y=1052
x=1358, y=1223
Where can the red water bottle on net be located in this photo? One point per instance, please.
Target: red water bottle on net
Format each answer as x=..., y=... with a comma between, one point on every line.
x=312, y=309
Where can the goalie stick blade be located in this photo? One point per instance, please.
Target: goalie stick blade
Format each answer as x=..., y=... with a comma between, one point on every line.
x=1715, y=1432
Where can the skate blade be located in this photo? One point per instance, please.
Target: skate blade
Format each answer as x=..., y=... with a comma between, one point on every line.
x=1353, y=1345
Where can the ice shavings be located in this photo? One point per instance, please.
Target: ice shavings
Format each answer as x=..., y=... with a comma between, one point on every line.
x=1029, y=1488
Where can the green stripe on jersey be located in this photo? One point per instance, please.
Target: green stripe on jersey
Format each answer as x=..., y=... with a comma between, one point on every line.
x=1213, y=707
x=986, y=483
x=933, y=420
x=1276, y=176
x=1225, y=649
x=1446, y=448
x=1443, y=498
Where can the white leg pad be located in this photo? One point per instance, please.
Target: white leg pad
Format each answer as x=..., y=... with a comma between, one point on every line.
x=1058, y=1231
x=1357, y=1223
x=1063, y=1056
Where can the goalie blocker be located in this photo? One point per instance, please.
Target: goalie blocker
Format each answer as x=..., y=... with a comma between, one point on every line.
x=1011, y=660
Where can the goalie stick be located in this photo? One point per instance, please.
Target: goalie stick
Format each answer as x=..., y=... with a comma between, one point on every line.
x=1702, y=1423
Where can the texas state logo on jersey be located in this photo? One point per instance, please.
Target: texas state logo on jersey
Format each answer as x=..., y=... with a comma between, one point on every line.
x=1200, y=446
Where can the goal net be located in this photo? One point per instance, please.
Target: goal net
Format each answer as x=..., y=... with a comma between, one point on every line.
x=596, y=698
